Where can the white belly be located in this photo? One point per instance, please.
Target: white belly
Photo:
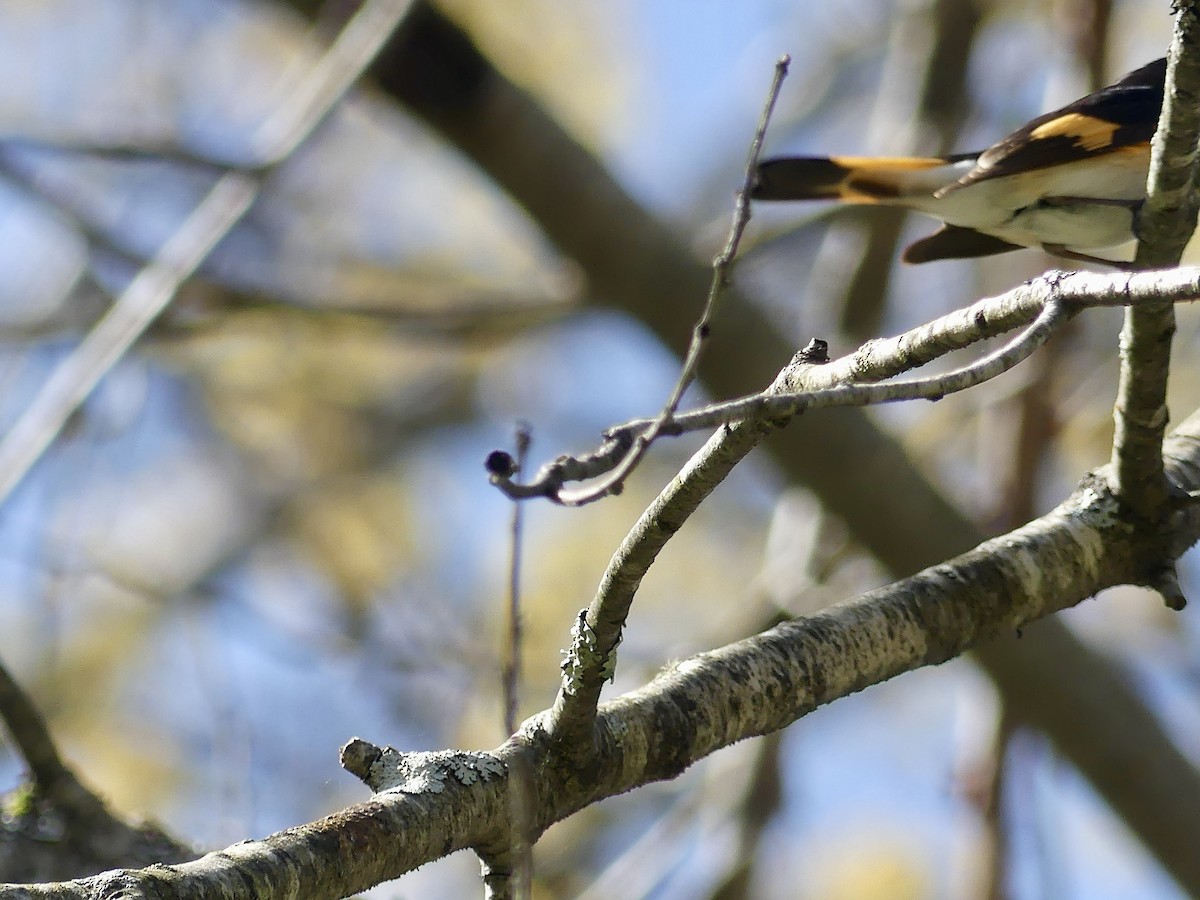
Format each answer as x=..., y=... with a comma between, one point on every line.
x=1079, y=227
x=1044, y=206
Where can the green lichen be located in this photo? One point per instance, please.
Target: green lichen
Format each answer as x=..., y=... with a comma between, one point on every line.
x=584, y=656
x=18, y=804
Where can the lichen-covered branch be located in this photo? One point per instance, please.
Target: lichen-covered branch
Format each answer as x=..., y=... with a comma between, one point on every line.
x=639, y=265
x=801, y=386
x=433, y=804
x=1165, y=224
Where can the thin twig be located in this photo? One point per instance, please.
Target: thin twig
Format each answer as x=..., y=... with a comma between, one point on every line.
x=511, y=669
x=935, y=387
x=851, y=380
x=510, y=874
x=224, y=205
x=702, y=330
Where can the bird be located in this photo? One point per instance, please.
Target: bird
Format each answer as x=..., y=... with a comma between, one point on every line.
x=1069, y=182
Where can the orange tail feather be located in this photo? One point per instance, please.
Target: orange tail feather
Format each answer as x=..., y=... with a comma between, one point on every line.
x=852, y=179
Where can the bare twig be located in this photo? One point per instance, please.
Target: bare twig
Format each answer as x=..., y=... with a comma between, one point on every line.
x=787, y=405
x=224, y=205
x=1165, y=224
x=1041, y=304
x=510, y=873
x=702, y=330
x=511, y=669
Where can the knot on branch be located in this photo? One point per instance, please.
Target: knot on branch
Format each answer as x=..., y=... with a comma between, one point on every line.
x=1166, y=582
x=815, y=352
x=387, y=769
x=1157, y=541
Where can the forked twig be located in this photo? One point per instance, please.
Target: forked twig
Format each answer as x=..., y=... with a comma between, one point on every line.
x=625, y=456
x=1041, y=305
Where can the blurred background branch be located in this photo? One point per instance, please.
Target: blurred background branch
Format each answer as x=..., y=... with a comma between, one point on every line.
x=258, y=533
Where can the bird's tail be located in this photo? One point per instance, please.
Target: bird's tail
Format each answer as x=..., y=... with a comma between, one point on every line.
x=853, y=179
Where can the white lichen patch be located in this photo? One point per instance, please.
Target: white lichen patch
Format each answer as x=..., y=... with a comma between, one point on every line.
x=1100, y=510
x=1086, y=529
x=584, y=656
x=1027, y=567
x=472, y=767
x=420, y=773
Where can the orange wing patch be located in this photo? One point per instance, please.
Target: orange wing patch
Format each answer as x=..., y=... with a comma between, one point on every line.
x=888, y=162
x=1086, y=132
x=875, y=179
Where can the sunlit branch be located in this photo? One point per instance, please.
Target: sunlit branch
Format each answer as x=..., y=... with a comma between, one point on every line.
x=1164, y=225
x=1042, y=305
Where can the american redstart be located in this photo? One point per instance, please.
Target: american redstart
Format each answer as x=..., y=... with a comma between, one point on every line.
x=1069, y=182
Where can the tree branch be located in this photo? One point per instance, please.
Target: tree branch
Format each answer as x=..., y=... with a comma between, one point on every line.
x=1042, y=304
x=431, y=804
x=55, y=826
x=636, y=263
x=1165, y=224
x=591, y=660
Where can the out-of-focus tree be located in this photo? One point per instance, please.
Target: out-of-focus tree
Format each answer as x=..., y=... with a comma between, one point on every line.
x=267, y=528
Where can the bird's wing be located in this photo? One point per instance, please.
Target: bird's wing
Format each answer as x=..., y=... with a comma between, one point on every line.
x=1122, y=116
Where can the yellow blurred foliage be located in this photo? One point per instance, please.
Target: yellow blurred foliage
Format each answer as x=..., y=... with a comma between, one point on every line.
x=570, y=55
x=356, y=530
x=871, y=869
